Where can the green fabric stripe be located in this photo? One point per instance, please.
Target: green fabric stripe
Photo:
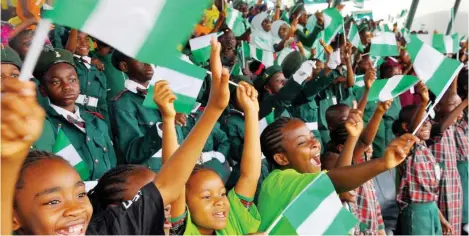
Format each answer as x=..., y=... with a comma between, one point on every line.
x=61, y=141
x=283, y=227
x=384, y=50
x=184, y=104
x=259, y=54
x=414, y=47
x=71, y=13
x=82, y=170
x=309, y=200
x=406, y=82
x=441, y=76
x=186, y=68
x=375, y=90
x=344, y=221
x=246, y=49
x=173, y=26
x=201, y=55
x=439, y=43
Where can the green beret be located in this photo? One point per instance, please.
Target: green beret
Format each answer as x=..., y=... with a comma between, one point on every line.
x=48, y=58
x=9, y=56
x=261, y=80
x=292, y=63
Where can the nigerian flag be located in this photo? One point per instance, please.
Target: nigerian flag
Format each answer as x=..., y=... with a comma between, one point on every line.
x=354, y=37
x=432, y=67
x=185, y=80
x=65, y=149
x=333, y=22
x=147, y=30
x=442, y=43
x=251, y=51
x=201, y=47
x=264, y=122
x=359, y=81
x=384, y=45
x=311, y=23
x=406, y=34
x=236, y=69
x=317, y=210
x=385, y=89
x=236, y=22
x=359, y=3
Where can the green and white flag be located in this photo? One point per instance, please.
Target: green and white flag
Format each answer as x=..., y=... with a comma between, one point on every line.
x=185, y=80
x=236, y=22
x=317, y=210
x=65, y=149
x=236, y=69
x=359, y=81
x=201, y=47
x=386, y=28
x=311, y=23
x=285, y=16
x=147, y=30
x=359, y=3
x=251, y=51
x=264, y=122
x=406, y=34
x=333, y=21
x=385, y=89
x=432, y=67
x=354, y=37
x=442, y=43
x=282, y=54
x=384, y=45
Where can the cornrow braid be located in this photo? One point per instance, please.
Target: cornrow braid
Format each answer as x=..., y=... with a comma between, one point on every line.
x=111, y=187
x=271, y=140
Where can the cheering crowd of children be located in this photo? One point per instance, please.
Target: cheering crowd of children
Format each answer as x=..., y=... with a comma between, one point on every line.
x=220, y=169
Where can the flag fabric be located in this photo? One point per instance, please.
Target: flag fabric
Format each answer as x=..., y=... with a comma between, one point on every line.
x=386, y=28
x=354, y=37
x=185, y=80
x=333, y=22
x=406, y=34
x=317, y=210
x=264, y=122
x=138, y=29
x=314, y=1
x=285, y=16
x=359, y=3
x=432, y=67
x=442, y=43
x=201, y=48
x=282, y=54
x=236, y=69
x=65, y=149
x=384, y=45
x=251, y=51
x=385, y=89
x=403, y=13
x=236, y=22
x=359, y=81
x=320, y=53
x=311, y=23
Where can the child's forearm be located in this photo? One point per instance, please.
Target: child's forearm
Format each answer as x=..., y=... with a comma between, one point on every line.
x=368, y=135
x=72, y=41
x=363, y=100
x=251, y=159
x=350, y=74
x=345, y=157
x=170, y=142
x=453, y=115
x=10, y=171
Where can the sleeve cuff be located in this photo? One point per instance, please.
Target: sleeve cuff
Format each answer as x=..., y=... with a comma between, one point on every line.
x=158, y=129
x=179, y=218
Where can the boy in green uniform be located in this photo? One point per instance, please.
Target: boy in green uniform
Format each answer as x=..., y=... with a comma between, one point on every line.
x=93, y=84
x=86, y=133
x=299, y=18
x=135, y=127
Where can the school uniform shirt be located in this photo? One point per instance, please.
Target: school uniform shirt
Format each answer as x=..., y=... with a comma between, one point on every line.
x=93, y=87
x=135, y=128
x=462, y=148
x=45, y=142
x=143, y=215
x=450, y=200
x=88, y=136
x=115, y=79
x=307, y=39
x=243, y=218
x=420, y=176
x=277, y=191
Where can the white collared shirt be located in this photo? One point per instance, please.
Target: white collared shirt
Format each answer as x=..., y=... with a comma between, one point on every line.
x=132, y=86
x=66, y=113
x=86, y=59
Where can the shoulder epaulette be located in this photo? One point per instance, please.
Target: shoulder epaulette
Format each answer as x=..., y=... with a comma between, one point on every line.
x=120, y=94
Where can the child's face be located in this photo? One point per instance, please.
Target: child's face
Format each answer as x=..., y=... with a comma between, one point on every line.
x=228, y=41
x=23, y=45
x=302, y=149
x=207, y=200
x=338, y=116
x=424, y=131
x=52, y=202
x=61, y=85
x=303, y=18
x=318, y=69
x=243, y=9
x=448, y=103
x=10, y=71
x=139, y=71
x=276, y=83
x=266, y=25
x=83, y=44
x=366, y=37
x=283, y=31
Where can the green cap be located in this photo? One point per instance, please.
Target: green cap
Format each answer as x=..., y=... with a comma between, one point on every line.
x=48, y=58
x=261, y=80
x=9, y=56
x=292, y=63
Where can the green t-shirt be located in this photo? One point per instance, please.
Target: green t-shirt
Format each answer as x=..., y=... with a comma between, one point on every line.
x=241, y=220
x=277, y=191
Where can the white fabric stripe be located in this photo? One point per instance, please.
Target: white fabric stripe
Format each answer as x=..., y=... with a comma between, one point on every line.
x=327, y=20
x=117, y=12
x=385, y=38
x=179, y=82
x=321, y=219
x=90, y=185
x=448, y=40
x=426, y=38
x=356, y=40
x=427, y=62
x=234, y=14
x=386, y=92
x=70, y=154
x=312, y=125
x=262, y=125
x=201, y=42
x=360, y=83
x=267, y=58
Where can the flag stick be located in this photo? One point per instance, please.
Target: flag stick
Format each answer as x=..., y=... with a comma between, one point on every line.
x=35, y=50
x=229, y=81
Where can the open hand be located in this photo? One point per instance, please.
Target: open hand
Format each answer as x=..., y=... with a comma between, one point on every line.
x=22, y=119
x=384, y=106
x=164, y=98
x=423, y=92
x=96, y=62
x=446, y=227
x=398, y=150
x=319, y=18
x=219, y=91
x=181, y=119
x=354, y=123
x=246, y=96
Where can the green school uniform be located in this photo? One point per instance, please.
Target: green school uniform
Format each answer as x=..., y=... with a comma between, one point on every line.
x=216, y=148
x=278, y=190
x=93, y=85
x=134, y=127
x=45, y=141
x=308, y=39
x=420, y=219
x=241, y=220
x=115, y=78
x=94, y=146
x=309, y=113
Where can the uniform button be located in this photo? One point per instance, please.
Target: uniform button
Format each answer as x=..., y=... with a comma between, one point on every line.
x=88, y=138
x=96, y=161
x=89, y=83
x=154, y=141
x=151, y=123
x=104, y=149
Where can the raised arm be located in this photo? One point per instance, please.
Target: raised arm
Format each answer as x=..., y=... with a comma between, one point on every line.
x=185, y=157
x=348, y=63
x=369, y=78
x=278, y=4
x=72, y=41
x=452, y=117
x=246, y=96
x=425, y=97
x=354, y=126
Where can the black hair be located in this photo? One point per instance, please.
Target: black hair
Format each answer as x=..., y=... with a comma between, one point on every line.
x=339, y=135
x=111, y=187
x=271, y=140
x=15, y=41
x=329, y=112
x=33, y=158
x=462, y=83
x=117, y=57
x=405, y=116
